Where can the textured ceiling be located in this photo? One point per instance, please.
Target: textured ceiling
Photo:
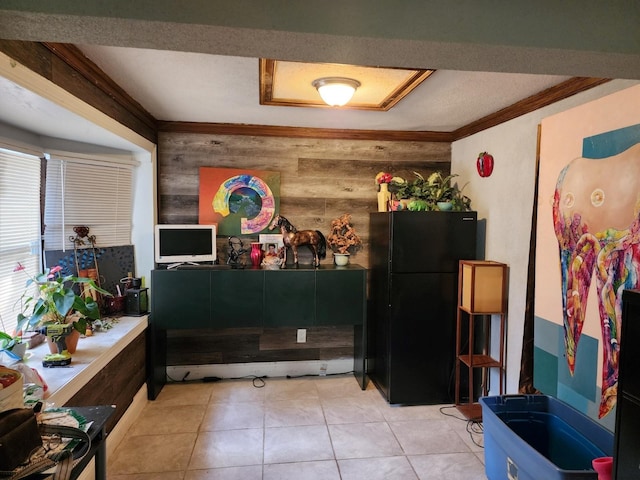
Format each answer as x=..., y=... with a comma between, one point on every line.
x=196, y=87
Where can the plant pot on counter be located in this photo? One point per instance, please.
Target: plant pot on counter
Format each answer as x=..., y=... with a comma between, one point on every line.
x=341, y=259
x=71, y=340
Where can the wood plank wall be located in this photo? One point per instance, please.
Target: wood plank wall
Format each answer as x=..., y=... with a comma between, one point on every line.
x=320, y=180
x=111, y=387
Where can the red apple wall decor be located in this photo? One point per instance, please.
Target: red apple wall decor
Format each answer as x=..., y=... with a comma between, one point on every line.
x=485, y=164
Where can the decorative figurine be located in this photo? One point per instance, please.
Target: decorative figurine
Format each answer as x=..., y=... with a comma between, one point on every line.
x=236, y=249
x=293, y=238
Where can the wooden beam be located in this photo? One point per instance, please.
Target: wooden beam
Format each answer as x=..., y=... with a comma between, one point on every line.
x=76, y=60
x=302, y=132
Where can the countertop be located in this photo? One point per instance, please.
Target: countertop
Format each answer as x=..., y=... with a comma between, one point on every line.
x=93, y=354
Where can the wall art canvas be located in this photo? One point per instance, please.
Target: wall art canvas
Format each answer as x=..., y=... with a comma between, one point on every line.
x=588, y=248
x=241, y=202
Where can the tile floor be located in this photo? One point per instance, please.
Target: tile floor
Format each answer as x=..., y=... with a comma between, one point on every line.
x=322, y=428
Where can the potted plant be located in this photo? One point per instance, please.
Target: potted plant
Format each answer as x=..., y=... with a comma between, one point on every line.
x=343, y=239
x=50, y=298
x=413, y=195
x=436, y=192
x=447, y=196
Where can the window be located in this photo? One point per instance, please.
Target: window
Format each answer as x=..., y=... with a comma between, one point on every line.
x=96, y=192
x=19, y=229
x=88, y=192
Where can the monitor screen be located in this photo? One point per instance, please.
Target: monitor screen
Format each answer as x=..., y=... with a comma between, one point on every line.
x=185, y=243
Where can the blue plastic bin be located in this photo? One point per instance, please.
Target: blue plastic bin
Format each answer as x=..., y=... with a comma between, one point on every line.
x=536, y=437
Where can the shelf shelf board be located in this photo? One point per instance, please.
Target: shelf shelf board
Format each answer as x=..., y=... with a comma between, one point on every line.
x=479, y=361
x=472, y=312
x=471, y=411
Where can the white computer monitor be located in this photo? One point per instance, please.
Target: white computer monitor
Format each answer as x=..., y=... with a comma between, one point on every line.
x=176, y=244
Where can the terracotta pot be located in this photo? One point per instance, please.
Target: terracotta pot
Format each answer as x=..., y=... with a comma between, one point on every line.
x=71, y=340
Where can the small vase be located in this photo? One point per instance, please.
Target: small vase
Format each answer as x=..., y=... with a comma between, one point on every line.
x=603, y=466
x=71, y=341
x=256, y=254
x=384, y=196
x=445, y=206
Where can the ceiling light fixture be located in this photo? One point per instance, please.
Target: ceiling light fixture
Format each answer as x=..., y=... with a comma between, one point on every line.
x=336, y=91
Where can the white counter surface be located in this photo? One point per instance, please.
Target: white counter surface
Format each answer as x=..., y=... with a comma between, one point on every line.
x=92, y=355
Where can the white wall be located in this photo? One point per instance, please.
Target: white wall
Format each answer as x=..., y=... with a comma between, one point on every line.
x=505, y=200
x=144, y=215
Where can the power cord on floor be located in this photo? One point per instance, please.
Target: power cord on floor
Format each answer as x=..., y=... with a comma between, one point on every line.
x=474, y=426
x=319, y=375
x=176, y=381
x=258, y=382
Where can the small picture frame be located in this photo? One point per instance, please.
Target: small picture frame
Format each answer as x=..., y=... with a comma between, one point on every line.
x=275, y=238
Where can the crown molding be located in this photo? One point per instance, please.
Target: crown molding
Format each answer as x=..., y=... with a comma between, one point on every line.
x=303, y=132
x=539, y=100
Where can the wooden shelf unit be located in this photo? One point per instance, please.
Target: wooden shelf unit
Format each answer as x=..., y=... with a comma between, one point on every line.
x=482, y=292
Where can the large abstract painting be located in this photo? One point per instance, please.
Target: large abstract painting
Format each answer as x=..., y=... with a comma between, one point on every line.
x=241, y=202
x=589, y=236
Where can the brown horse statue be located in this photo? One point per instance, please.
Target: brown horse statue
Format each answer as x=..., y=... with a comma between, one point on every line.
x=293, y=238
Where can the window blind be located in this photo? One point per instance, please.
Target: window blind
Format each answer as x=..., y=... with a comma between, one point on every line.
x=87, y=192
x=19, y=229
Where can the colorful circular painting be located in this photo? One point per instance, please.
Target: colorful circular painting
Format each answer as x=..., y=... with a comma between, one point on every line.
x=247, y=196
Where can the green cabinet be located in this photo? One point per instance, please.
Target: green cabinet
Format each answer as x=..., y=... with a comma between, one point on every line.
x=340, y=297
x=289, y=298
x=237, y=298
x=234, y=298
x=181, y=299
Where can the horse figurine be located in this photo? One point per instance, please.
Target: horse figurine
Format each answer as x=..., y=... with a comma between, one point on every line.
x=293, y=238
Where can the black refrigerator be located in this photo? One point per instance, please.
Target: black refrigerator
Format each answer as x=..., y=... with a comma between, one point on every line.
x=626, y=445
x=412, y=301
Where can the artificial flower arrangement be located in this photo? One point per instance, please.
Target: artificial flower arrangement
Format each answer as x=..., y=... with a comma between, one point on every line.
x=343, y=236
x=394, y=182
x=56, y=299
x=383, y=177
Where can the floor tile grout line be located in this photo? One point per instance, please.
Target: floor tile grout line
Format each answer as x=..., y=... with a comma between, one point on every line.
x=324, y=402
x=264, y=428
x=326, y=426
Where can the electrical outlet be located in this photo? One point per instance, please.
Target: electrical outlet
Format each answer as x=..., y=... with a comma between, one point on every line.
x=302, y=335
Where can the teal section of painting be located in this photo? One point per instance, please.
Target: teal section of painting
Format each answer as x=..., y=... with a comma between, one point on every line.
x=551, y=374
x=610, y=143
x=584, y=378
x=545, y=372
x=546, y=335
